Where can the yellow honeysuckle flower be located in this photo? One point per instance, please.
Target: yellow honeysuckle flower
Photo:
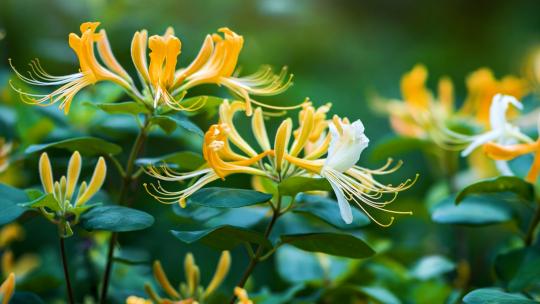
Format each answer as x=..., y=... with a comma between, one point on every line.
x=7, y=289
x=215, y=64
x=242, y=295
x=64, y=189
x=508, y=152
x=5, y=150
x=20, y=267
x=161, y=80
x=482, y=86
x=190, y=292
x=9, y=233
x=420, y=112
x=91, y=71
x=221, y=160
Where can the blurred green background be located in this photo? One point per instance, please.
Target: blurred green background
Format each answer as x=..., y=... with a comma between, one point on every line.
x=339, y=51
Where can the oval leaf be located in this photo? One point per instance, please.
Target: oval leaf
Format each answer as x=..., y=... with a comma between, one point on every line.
x=473, y=210
x=519, y=267
x=512, y=184
x=116, y=219
x=337, y=244
x=88, y=146
x=495, y=295
x=11, y=203
x=217, y=197
x=431, y=267
x=127, y=107
x=296, y=184
x=327, y=210
x=224, y=237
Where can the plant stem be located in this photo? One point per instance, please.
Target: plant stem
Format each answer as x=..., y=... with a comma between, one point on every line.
x=66, y=271
x=255, y=259
x=127, y=181
x=529, y=237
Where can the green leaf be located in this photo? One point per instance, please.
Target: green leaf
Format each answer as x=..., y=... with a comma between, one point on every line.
x=217, y=197
x=88, y=146
x=512, y=184
x=494, y=296
x=168, y=124
x=184, y=160
x=224, y=237
x=473, y=210
x=116, y=219
x=379, y=294
x=46, y=200
x=327, y=210
x=126, y=107
x=10, y=203
x=431, y=267
x=520, y=268
x=23, y=297
x=395, y=145
x=297, y=266
x=296, y=184
x=338, y=244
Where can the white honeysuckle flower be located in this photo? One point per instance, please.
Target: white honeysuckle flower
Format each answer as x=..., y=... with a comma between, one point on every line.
x=343, y=153
x=502, y=131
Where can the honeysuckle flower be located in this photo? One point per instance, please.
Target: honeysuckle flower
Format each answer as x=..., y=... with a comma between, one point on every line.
x=215, y=64
x=501, y=132
x=426, y=116
x=420, y=112
x=7, y=289
x=190, y=292
x=242, y=295
x=91, y=71
x=350, y=182
x=482, y=86
x=287, y=157
x=163, y=84
x=5, y=150
x=25, y=263
x=63, y=190
x=508, y=152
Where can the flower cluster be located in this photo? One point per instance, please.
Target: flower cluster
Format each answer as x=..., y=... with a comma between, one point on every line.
x=67, y=207
x=318, y=147
x=190, y=292
x=162, y=82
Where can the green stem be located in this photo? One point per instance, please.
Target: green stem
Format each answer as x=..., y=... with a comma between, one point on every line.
x=127, y=181
x=529, y=237
x=66, y=271
x=256, y=258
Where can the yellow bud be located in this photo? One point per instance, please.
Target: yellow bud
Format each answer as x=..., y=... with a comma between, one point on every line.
x=96, y=182
x=221, y=271
x=45, y=173
x=162, y=279
x=282, y=141
x=74, y=169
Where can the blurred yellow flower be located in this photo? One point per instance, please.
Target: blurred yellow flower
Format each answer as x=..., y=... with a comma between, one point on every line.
x=24, y=264
x=242, y=296
x=7, y=289
x=5, y=150
x=421, y=114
